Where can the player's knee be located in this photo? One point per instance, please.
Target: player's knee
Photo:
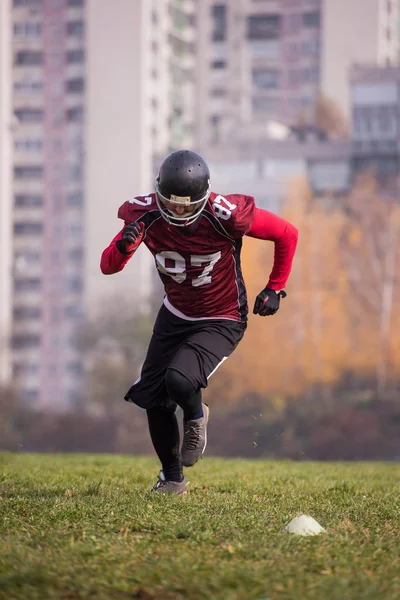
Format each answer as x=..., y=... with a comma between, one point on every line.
x=178, y=386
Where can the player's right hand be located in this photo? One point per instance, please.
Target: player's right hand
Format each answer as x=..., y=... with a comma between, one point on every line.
x=132, y=236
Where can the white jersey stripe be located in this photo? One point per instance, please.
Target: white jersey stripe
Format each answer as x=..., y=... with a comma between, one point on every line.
x=181, y=315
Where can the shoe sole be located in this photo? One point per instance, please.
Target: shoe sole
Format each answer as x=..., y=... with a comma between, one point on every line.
x=205, y=433
x=206, y=410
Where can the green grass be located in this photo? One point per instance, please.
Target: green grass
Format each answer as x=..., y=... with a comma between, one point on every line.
x=79, y=526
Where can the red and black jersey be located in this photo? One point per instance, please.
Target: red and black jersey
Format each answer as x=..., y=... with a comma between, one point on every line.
x=201, y=271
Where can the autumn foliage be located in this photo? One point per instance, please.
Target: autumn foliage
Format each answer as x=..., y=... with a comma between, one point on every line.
x=317, y=380
x=343, y=306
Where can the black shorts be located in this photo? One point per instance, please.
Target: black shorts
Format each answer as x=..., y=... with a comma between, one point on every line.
x=194, y=348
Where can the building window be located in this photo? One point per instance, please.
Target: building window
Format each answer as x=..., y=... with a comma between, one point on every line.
x=75, y=114
x=21, y=313
x=179, y=47
x=265, y=105
x=25, y=369
x=28, y=172
x=75, y=200
x=218, y=92
x=310, y=75
x=76, y=143
x=75, y=85
x=29, y=145
x=75, y=368
x=28, y=228
x=26, y=259
x=219, y=20
x=74, y=284
x=25, y=341
x=28, y=58
x=27, y=30
x=268, y=49
x=265, y=79
x=27, y=285
x=29, y=396
x=73, y=312
x=31, y=3
x=179, y=19
x=28, y=200
x=311, y=47
x=28, y=87
x=312, y=19
x=75, y=3
x=75, y=229
x=215, y=122
x=75, y=255
x=76, y=29
x=75, y=56
x=263, y=27
x=218, y=64
x=29, y=115
x=307, y=102
x=75, y=173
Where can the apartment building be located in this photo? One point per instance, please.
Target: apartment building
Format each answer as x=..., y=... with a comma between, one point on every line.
x=375, y=99
x=138, y=110
x=48, y=102
x=356, y=32
x=5, y=191
x=258, y=60
x=97, y=91
x=267, y=59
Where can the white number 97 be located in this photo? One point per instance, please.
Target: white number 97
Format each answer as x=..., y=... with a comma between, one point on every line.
x=223, y=208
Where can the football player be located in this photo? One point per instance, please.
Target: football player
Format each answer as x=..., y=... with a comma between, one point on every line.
x=195, y=236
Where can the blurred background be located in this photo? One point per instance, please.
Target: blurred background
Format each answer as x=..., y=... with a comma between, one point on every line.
x=296, y=102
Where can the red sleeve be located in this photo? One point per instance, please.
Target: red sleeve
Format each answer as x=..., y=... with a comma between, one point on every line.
x=268, y=226
x=235, y=213
x=112, y=260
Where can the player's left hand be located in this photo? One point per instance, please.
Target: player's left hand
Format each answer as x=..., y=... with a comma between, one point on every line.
x=267, y=302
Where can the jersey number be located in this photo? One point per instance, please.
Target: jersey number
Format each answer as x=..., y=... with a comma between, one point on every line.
x=178, y=270
x=146, y=202
x=223, y=208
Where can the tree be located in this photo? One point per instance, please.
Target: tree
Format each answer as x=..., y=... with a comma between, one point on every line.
x=330, y=118
x=370, y=247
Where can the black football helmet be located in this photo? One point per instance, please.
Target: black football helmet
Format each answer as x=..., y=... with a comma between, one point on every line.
x=183, y=179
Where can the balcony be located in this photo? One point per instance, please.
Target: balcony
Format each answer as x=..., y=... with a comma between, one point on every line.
x=263, y=27
x=31, y=327
x=28, y=151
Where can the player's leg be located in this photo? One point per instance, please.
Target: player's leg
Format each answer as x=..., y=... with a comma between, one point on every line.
x=208, y=346
x=185, y=394
x=164, y=433
x=195, y=415
x=149, y=392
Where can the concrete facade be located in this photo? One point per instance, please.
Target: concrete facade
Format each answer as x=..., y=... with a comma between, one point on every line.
x=6, y=124
x=356, y=32
x=97, y=90
x=256, y=61
x=375, y=98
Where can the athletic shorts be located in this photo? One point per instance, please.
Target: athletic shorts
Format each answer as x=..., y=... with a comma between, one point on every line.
x=194, y=348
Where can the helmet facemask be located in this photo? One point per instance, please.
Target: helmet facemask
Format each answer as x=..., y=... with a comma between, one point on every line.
x=195, y=206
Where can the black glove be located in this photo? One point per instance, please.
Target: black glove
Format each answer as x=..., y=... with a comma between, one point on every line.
x=132, y=235
x=267, y=302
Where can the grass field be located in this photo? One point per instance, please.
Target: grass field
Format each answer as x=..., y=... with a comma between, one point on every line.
x=79, y=526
